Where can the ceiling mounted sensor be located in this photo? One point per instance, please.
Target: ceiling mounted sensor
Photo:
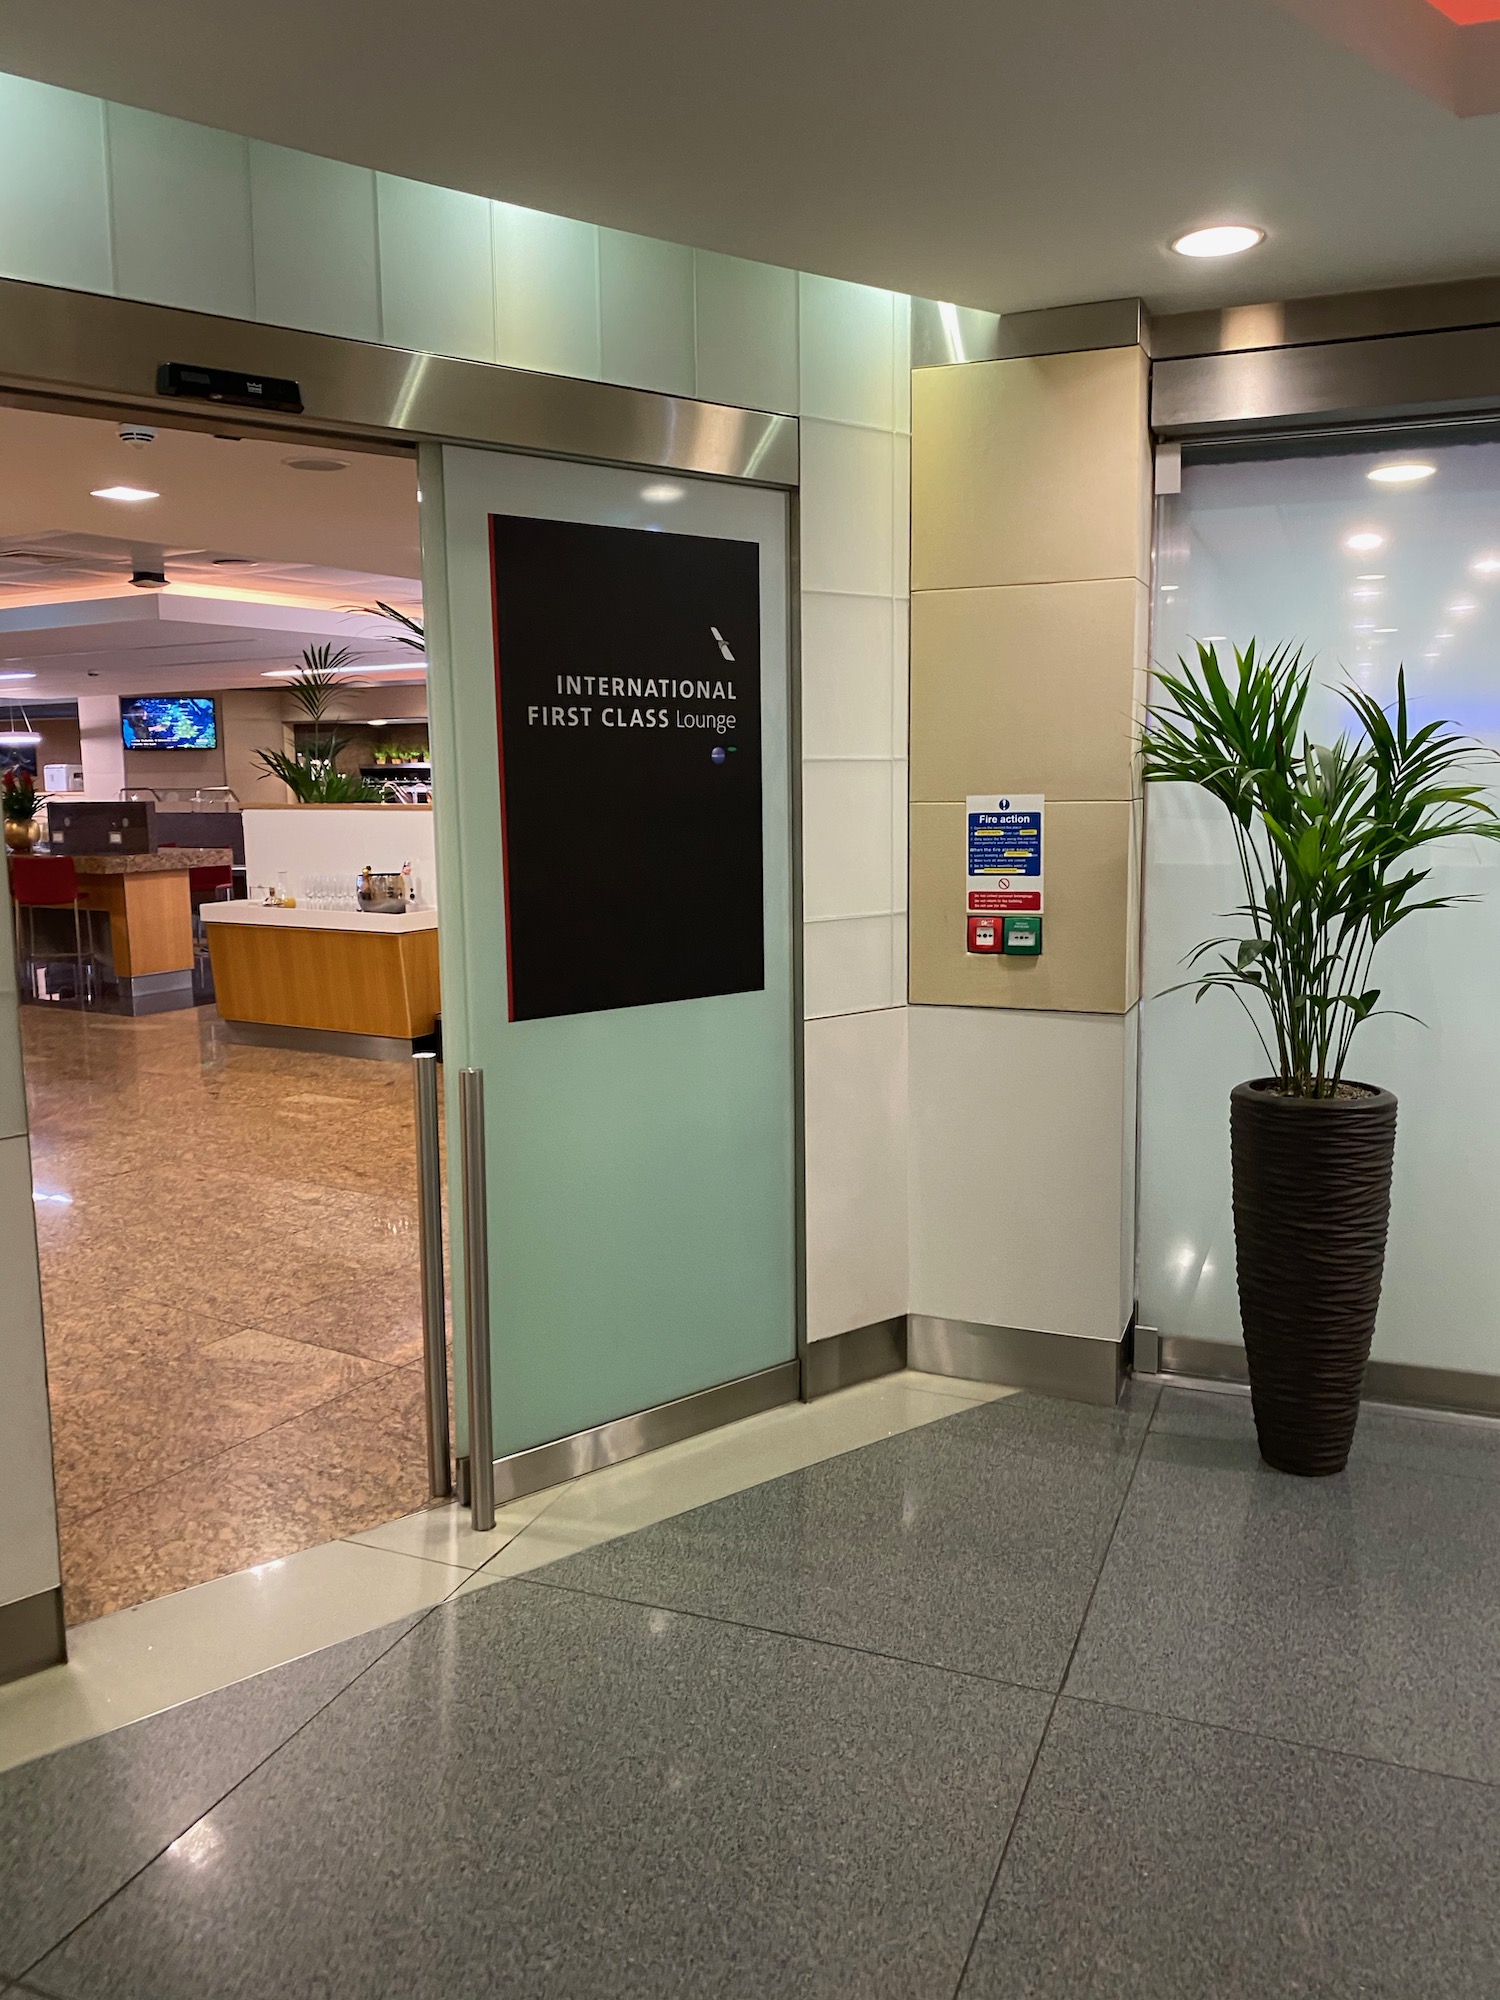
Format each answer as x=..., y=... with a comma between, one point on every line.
x=316, y=464
x=1220, y=239
x=149, y=579
x=1401, y=472
x=136, y=434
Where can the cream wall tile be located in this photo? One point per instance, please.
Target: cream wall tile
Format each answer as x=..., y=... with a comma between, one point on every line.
x=900, y=818
x=1017, y=1125
x=54, y=191
x=1031, y=471
x=847, y=966
x=855, y=1083
x=901, y=677
x=846, y=676
x=546, y=292
x=848, y=352
x=436, y=269
x=1030, y=687
x=901, y=516
x=900, y=932
x=1087, y=955
x=846, y=837
x=747, y=333
x=28, y=1548
x=180, y=208
x=848, y=491
x=646, y=312
x=903, y=363
x=312, y=226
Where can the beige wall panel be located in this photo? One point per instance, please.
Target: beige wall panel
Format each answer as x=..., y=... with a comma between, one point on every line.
x=1029, y=687
x=1088, y=956
x=1031, y=471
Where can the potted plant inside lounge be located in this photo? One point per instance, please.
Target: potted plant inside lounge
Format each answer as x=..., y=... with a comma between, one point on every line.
x=18, y=803
x=311, y=771
x=1329, y=839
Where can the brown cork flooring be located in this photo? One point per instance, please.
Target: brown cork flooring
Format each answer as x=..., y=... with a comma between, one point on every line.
x=230, y=1279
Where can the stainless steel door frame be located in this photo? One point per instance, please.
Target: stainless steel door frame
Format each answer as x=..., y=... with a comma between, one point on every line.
x=81, y=353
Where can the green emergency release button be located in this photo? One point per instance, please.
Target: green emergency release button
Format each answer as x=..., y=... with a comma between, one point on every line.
x=1022, y=937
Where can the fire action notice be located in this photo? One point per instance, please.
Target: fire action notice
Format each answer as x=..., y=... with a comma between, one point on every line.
x=1005, y=854
x=628, y=674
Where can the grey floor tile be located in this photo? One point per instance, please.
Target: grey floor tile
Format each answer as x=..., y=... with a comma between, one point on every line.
x=1358, y=1613
x=971, y=1543
x=1411, y=1440
x=544, y=1793
x=76, y=1824
x=1156, y=1860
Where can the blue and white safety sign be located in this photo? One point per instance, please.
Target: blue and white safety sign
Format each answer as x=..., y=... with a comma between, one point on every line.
x=1004, y=848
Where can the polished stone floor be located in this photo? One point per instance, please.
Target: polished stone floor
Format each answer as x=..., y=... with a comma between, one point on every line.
x=1034, y=1701
x=230, y=1280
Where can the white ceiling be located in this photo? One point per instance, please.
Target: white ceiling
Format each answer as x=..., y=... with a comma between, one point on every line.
x=261, y=560
x=996, y=153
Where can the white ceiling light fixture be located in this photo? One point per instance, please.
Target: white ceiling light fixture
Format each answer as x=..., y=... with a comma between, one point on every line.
x=131, y=494
x=15, y=739
x=316, y=464
x=413, y=665
x=1402, y=472
x=1221, y=239
x=1371, y=576
x=1363, y=540
x=17, y=677
x=661, y=493
x=1486, y=566
x=1462, y=606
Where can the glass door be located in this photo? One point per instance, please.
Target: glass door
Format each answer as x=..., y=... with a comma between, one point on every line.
x=1325, y=548
x=610, y=696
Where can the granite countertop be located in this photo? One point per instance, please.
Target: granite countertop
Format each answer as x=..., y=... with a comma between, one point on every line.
x=168, y=861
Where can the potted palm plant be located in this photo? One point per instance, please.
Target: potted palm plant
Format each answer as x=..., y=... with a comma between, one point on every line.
x=1327, y=837
x=311, y=772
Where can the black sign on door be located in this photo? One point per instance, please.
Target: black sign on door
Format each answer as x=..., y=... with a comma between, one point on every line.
x=627, y=665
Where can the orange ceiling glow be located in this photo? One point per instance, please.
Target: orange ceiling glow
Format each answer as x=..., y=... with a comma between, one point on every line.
x=1467, y=12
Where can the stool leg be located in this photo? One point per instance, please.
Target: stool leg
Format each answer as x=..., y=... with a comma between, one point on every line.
x=84, y=985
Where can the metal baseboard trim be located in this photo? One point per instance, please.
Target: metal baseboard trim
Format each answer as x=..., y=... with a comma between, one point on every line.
x=32, y=1635
x=319, y=1041
x=860, y=1355
x=1407, y=1383
x=1052, y=1364
x=626, y=1437
x=156, y=993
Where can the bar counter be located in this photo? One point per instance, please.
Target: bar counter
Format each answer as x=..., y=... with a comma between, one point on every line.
x=339, y=981
x=146, y=898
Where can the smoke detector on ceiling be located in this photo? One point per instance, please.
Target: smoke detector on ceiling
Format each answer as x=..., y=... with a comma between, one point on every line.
x=136, y=434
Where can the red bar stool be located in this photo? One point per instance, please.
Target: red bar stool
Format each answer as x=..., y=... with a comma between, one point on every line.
x=48, y=882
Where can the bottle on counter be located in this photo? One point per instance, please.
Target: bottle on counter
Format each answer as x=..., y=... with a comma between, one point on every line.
x=411, y=885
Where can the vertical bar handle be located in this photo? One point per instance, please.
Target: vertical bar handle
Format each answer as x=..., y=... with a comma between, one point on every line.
x=430, y=1236
x=477, y=1299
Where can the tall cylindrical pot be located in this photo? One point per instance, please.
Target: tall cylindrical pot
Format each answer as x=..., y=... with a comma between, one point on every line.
x=1312, y=1198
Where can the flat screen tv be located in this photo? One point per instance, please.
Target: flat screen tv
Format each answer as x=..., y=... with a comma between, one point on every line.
x=169, y=722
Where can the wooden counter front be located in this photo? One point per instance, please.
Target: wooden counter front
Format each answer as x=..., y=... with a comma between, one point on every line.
x=146, y=899
x=376, y=977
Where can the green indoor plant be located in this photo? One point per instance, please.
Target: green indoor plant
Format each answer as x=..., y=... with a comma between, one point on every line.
x=310, y=772
x=1329, y=838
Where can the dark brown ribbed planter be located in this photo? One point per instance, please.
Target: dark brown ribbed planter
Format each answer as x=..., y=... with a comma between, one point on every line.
x=1312, y=1197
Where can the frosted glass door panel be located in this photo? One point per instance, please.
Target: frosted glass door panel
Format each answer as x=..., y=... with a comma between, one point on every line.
x=641, y=1157
x=1264, y=549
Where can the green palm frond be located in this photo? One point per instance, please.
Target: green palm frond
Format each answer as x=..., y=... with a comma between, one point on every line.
x=1325, y=836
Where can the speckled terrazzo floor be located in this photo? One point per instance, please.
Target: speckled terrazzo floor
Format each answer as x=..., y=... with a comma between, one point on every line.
x=1032, y=1702
x=229, y=1273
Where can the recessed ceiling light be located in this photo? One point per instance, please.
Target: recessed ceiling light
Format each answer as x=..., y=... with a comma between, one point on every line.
x=1386, y=631
x=1214, y=639
x=1363, y=540
x=662, y=493
x=1442, y=635
x=354, y=673
x=124, y=493
x=1462, y=606
x=1405, y=472
x=316, y=464
x=1366, y=593
x=1224, y=239
x=17, y=677
x=1371, y=576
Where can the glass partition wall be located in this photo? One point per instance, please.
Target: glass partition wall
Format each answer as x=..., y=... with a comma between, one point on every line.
x=1322, y=544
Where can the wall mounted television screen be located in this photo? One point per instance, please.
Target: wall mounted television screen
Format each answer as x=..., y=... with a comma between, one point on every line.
x=169, y=722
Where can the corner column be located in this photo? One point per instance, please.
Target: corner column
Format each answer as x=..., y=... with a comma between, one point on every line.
x=1031, y=549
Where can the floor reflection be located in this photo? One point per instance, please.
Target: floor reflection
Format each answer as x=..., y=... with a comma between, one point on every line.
x=230, y=1274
